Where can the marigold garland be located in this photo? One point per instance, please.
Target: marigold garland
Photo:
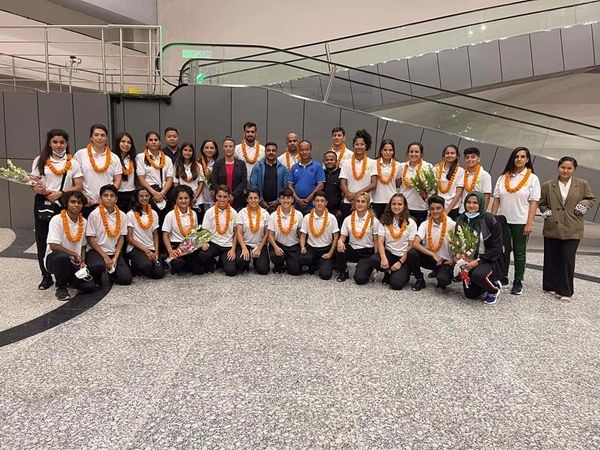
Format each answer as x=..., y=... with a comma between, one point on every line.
x=311, y=223
x=444, y=189
x=109, y=232
x=67, y=228
x=364, y=228
x=205, y=168
x=435, y=248
x=287, y=230
x=519, y=186
x=471, y=187
x=383, y=180
x=400, y=232
x=185, y=232
x=405, y=180
x=162, y=159
x=341, y=155
x=97, y=169
x=138, y=218
x=288, y=163
x=363, y=168
x=256, y=152
x=254, y=226
x=223, y=230
x=129, y=170
x=59, y=172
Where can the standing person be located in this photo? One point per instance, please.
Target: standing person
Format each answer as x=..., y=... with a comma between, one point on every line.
x=475, y=177
x=516, y=196
x=269, y=176
x=359, y=172
x=249, y=150
x=306, y=178
x=172, y=141
x=338, y=145
x=127, y=152
x=410, y=169
x=106, y=230
x=450, y=180
x=332, y=188
x=430, y=247
x=388, y=176
x=65, y=250
x=396, y=233
x=291, y=155
x=563, y=203
x=319, y=234
x=188, y=172
x=230, y=172
x=251, y=226
x=209, y=154
x=58, y=173
x=284, y=223
x=360, y=228
x=485, y=265
x=99, y=166
x=142, y=237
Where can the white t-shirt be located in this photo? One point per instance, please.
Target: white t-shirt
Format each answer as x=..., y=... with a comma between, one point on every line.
x=515, y=206
x=383, y=192
x=347, y=154
x=355, y=185
x=436, y=229
x=57, y=235
x=292, y=237
x=152, y=175
x=194, y=183
x=51, y=181
x=129, y=184
x=171, y=227
x=251, y=151
x=368, y=240
x=205, y=197
x=209, y=223
x=95, y=228
x=327, y=237
x=413, y=199
x=143, y=236
x=483, y=184
x=456, y=183
x=252, y=239
x=92, y=180
x=293, y=160
x=397, y=246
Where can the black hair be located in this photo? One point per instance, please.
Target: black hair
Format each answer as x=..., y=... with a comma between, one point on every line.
x=436, y=199
x=286, y=192
x=303, y=141
x=47, y=149
x=64, y=199
x=252, y=190
x=418, y=144
x=131, y=153
x=510, y=164
x=183, y=188
x=146, y=136
x=274, y=144
x=320, y=194
x=329, y=151
x=567, y=158
x=216, y=155
x=249, y=125
x=224, y=188
x=385, y=142
x=109, y=187
x=135, y=200
x=98, y=126
x=387, y=218
x=471, y=151
x=180, y=161
x=365, y=136
x=454, y=163
x=338, y=129
x=171, y=129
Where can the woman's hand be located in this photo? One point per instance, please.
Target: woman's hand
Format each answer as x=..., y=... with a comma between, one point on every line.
x=528, y=228
x=396, y=266
x=341, y=247
x=231, y=254
x=245, y=254
x=385, y=264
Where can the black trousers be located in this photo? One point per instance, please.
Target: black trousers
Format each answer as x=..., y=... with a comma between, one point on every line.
x=290, y=257
x=207, y=259
x=313, y=258
x=60, y=264
x=378, y=208
x=96, y=266
x=41, y=234
x=362, y=258
x=142, y=265
x=418, y=260
x=346, y=211
x=482, y=280
x=419, y=216
x=559, y=265
x=397, y=278
x=261, y=264
x=124, y=200
x=187, y=263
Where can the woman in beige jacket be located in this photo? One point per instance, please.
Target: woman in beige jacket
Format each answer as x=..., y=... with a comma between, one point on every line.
x=564, y=202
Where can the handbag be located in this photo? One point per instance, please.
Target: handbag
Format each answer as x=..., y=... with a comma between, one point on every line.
x=44, y=208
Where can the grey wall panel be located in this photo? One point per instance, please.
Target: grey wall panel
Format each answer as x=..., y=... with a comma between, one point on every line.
x=309, y=87
x=488, y=152
x=596, y=41
x=89, y=109
x=515, y=57
x=118, y=117
x=399, y=91
x=249, y=105
x=4, y=200
x=424, y=69
x=341, y=90
x=284, y=114
x=319, y=119
x=546, y=49
x=141, y=116
x=365, y=97
x=22, y=125
x=577, y=47
x=21, y=201
x=434, y=142
x=454, y=69
x=353, y=120
x=2, y=130
x=401, y=133
x=495, y=170
x=484, y=60
x=180, y=114
x=55, y=111
x=213, y=113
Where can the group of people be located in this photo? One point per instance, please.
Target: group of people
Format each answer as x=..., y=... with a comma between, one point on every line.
x=124, y=212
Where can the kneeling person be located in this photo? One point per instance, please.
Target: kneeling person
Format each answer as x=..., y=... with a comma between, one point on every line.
x=251, y=231
x=284, y=246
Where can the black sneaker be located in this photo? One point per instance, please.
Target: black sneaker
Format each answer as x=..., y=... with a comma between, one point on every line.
x=343, y=276
x=504, y=282
x=386, y=278
x=62, y=294
x=457, y=279
x=419, y=284
x=432, y=274
x=517, y=288
x=46, y=283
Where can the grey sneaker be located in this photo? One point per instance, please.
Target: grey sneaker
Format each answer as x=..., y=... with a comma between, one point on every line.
x=517, y=288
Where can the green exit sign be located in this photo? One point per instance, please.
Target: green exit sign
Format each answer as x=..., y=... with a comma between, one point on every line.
x=188, y=53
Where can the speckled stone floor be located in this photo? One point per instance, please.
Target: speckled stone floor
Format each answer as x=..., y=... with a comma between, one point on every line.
x=275, y=361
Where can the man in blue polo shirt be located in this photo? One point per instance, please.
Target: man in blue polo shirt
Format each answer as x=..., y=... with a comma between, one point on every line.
x=306, y=178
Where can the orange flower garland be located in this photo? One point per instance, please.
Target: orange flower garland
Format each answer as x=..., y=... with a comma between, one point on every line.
x=109, y=232
x=311, y=223
x=223, y=230
x=290, y=227
x=288, y=163
x=471, y=187
x=363, y=168
x=519, y=186
x=162, y=159
x=400, y=232
x=129, y=170
x=183, y=231
x=405, y=180
x=97, y=169
x=383, y=180
x=57, y=172
x=444, y=189
x=341, y=155
x=138, y=218
x=256, y=152
x=204, y=166
x=365, y=226
x=67, y=228
x=436, y=247
x=254, y=226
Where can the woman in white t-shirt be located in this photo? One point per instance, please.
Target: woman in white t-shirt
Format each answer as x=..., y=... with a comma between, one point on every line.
x=209, y=154
x=125, y=149
x=416, y=201
x=188, y=172
x=450, y=180
x=388, y=176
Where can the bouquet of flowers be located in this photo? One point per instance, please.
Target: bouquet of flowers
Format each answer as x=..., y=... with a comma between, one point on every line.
x=18, y=175
x=191, y=243
x=463, y=244
x=425, y=182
